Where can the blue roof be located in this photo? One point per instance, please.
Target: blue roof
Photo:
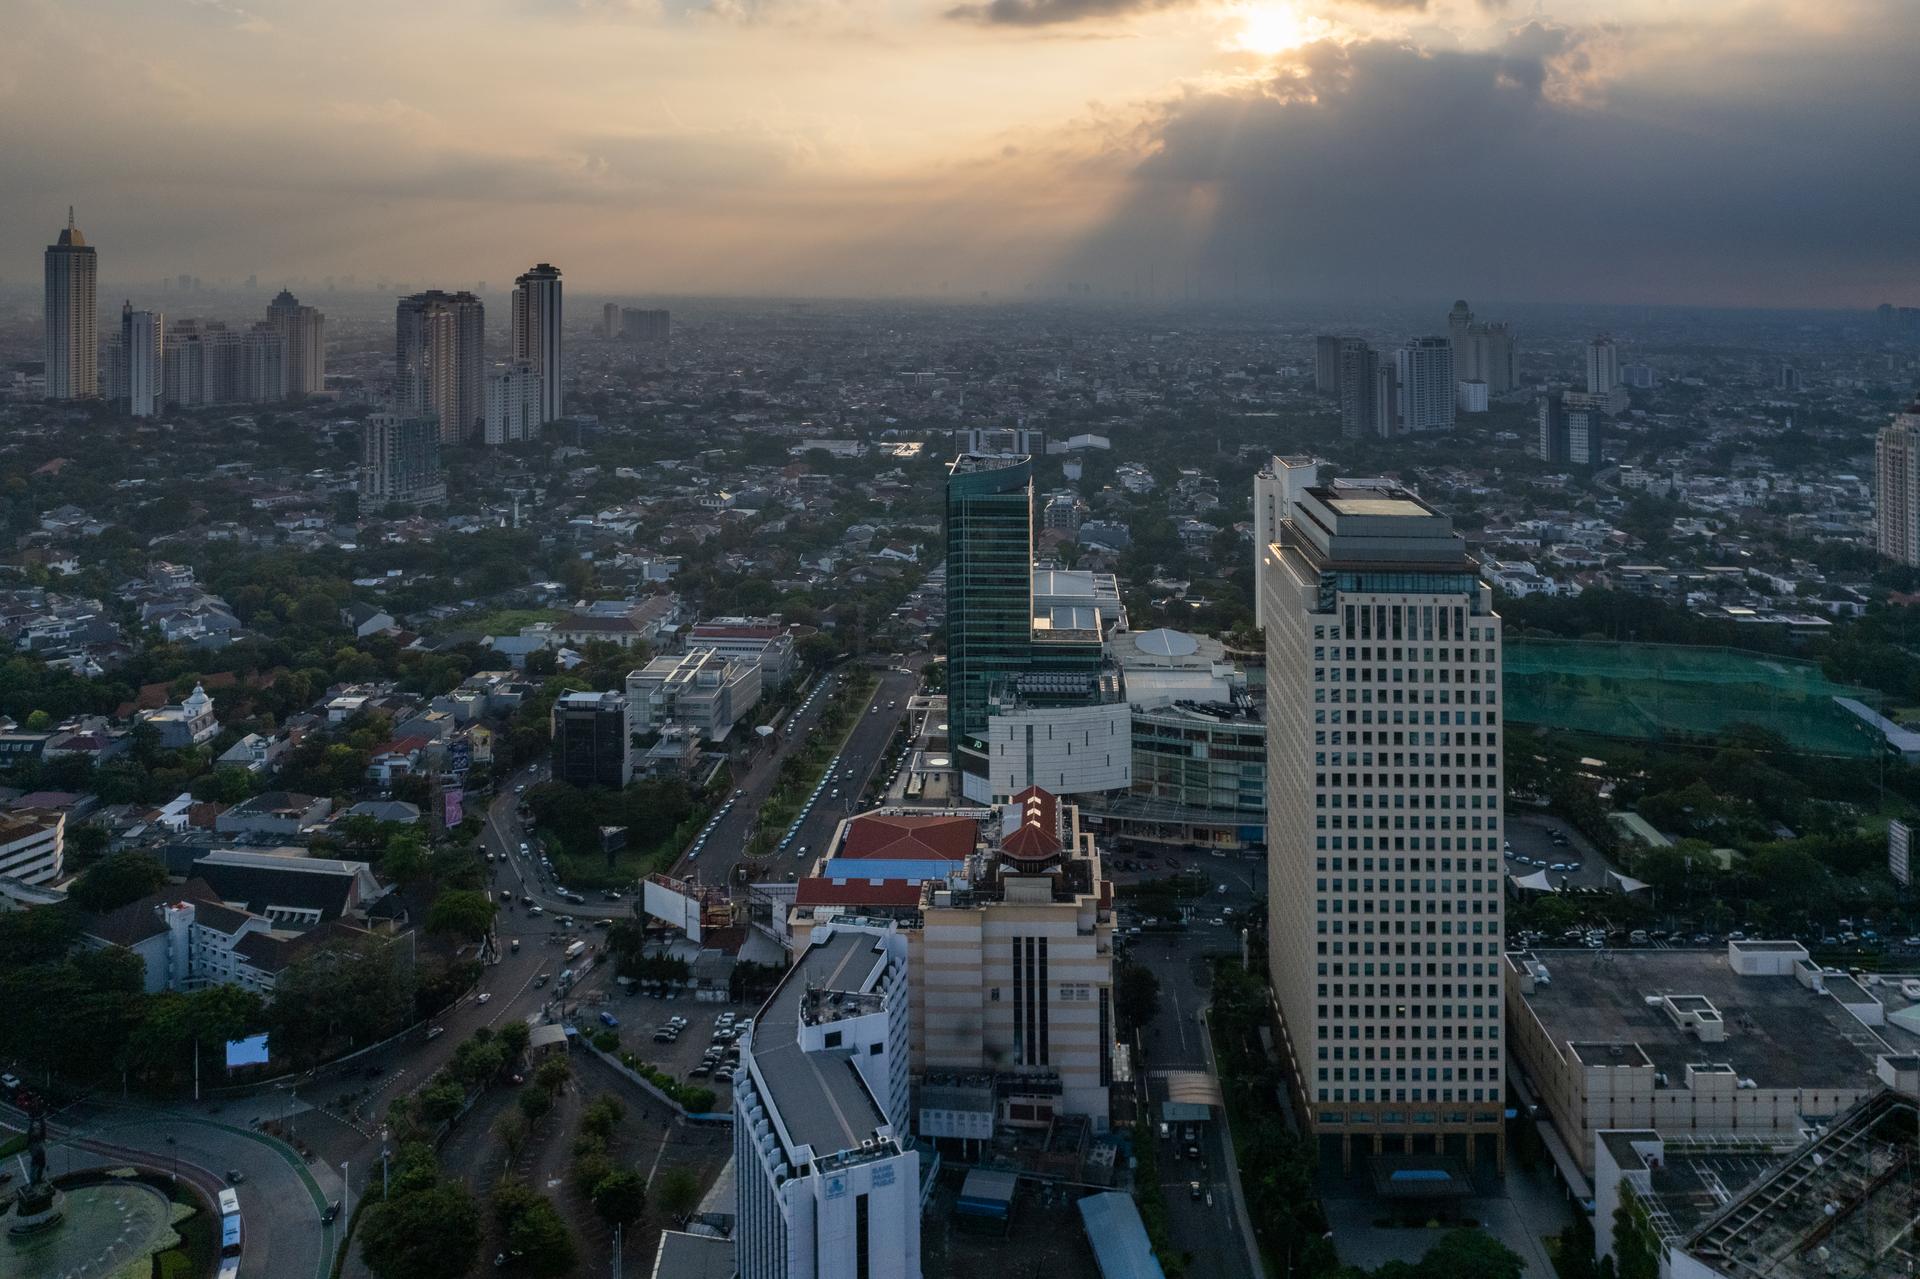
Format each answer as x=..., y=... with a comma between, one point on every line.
x=1420, y=1174
x=859, y=869
x=1118, y=1237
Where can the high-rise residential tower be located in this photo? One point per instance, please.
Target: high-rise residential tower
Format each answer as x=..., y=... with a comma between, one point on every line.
x=400, y=462
x=305, y=330
x=1425, y=391
x=139, y=384
x=1896, y=488
x=72, y=342
x=536, y=332
x=1603, y=365
x=513, y=404
x=1482, y=352
x=1326, y=364
x=1359, y=388
x=1384, y=825
x=440, y=345
x=610, y=320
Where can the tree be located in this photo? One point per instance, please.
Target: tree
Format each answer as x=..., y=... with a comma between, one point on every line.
x=1138, y=998
x=353, y=991
x=117, y=880
x=534, y=1103
x=602, y=1115
x=428, y=1234
x=553, y=1074
x=1636, y=1252
x=461, y=912
x=679, y=1193
x=1470, y=1254
x=620, y=1198
x=511, y=1129
x=539, y=1236
x=514, y=1037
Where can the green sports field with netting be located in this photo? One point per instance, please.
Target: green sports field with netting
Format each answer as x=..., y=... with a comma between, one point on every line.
x=1655, y=692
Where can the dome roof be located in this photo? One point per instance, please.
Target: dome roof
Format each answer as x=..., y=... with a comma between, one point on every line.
x=1167, y=643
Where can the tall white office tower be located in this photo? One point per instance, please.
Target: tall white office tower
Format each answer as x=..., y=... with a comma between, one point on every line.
x=1276, y=487
x=827, y=1183
x=305, y=329
x=1896, y=488
x=1603, y=365
x=1384, y=826
x=1425, y=392
x=439, y=351
x=139, y=362
x=513, y=404
x=72, y=340
x=536, y=332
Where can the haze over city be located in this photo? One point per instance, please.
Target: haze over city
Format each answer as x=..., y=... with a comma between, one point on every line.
x=1747, y=152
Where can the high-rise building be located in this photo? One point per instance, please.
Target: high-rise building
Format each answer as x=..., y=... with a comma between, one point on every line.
x=1573, y=428
x=1276, y=487
x=989, y=585
x=139, y=384
x=305, y=330
x=400, y=462
x=204, y=362
x=1787, y=378
x=72, y=342
x=1637, y=376
x=1482, y=352
x=646, y=326
x=1426, y=390
x=1459, y=329
x=1896, y=488
x=827, y=1180
x=1000, y=439
x=1603, y=365
x=1326, y=364
x=1359, y=389
x=1384, y=826
x=591, y=744
x=266, y=366
x=536, y=332
x=610, y=320
x=513, y=404
x=440, y=344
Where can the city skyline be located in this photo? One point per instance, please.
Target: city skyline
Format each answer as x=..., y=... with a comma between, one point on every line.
x=1021, y=147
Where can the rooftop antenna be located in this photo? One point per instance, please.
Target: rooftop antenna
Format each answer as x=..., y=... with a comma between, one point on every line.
x=70, y=225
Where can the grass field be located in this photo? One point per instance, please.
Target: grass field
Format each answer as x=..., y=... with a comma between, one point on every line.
x=507, y=621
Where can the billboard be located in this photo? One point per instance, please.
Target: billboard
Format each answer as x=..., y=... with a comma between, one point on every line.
x=1899, y=849
x=667, y=903
x=459, y=757
x=454, y=809
x=251, y=1051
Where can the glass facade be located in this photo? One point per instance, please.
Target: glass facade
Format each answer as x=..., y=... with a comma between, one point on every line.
x=989, y=584
x=1202, y=762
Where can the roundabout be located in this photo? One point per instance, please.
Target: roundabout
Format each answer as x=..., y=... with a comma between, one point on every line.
x=105, y=1229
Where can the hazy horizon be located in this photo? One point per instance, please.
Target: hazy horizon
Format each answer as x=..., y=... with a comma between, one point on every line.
x=1738, y=153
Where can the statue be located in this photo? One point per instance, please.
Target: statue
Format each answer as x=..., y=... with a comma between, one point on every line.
x=37, y=1207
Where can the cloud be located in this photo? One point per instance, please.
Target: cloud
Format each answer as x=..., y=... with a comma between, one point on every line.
x=1538, y=167
x=1045, y=13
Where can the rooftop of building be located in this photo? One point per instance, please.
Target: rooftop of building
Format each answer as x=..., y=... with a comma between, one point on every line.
x=1779, y=1033
x=976, y=463
x=819, y=1096
x=894, y=837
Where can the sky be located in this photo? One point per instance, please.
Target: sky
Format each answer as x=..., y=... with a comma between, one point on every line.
x=1715, y=152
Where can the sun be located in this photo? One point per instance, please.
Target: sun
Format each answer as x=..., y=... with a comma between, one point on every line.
x=1273, y=26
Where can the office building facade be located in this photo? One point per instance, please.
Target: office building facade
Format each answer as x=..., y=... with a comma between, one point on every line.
x=536, y=332
x=1896, y=488
x=989, y=585
x=1573, y=428
x=305, y=330
x=591, y=742
x=400, y=462
x=439, y=355
x=703, y=690
x=1384, y=825
x=72, y=343
x=139, y=381
x=1425, y=387
x=827, y=1182
x=1603, y=365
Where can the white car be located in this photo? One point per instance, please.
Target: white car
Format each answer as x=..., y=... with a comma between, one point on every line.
x=482, y=997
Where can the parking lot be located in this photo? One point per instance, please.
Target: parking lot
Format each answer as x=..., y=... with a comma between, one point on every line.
x=1532, y=837
x=641, y=1015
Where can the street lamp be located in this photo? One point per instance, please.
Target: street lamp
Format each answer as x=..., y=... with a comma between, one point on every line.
x=346, y=1192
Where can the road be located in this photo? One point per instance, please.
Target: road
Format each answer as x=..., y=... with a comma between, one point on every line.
x=1206, y=1227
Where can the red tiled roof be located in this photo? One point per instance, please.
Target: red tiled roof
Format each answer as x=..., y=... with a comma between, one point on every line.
x=1038, y=834
x=856, y=892
x=910, y=838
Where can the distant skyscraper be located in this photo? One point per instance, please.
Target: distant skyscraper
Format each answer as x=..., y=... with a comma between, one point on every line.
x=989, y=585
x=1637, y=376
x=651, y=331
x=204, y=362
x=1481, y=352
x=140, y=384
x=72, y=342
x=440, y=342
x=536, y=332
x=1896, y=489
x=1326, y=364
x=1603, y=365
x=1573, y=428
x=610, y=320
x=400, y=462
x=1426, y=389
x=1787, y=378
x=306, y=332
x=1459, y=328
x=513, y=404
x=1359, y=388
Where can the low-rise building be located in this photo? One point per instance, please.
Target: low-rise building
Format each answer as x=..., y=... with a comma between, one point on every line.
x=275, y=814
x=32, y=845
x=762, y=639
x=191, y=723
x=592, y=745
x=704, y=690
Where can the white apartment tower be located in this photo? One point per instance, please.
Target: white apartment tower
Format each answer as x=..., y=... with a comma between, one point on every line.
x=72, y=344
x=1603, y=365
x=513, y=404
x=305, y=330
x=1384, y=785
x=1896, y=488
x=138, y=364
x=1425, y=387
x=827, y=1182
x=536, y=332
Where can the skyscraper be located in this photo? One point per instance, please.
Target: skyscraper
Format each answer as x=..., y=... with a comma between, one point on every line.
x=139, y=385
x=610, y=320
x=1573, y=428
x=1459, y=330
x=305, y=329
x=439, y=350
x=1326, y=364
x=1426, y=391
x=513, y=404
x=989, y=585
x=651, y=331
x=1359, y=388
x=400, y=462
x=1384, y=828
x=1896, y=488
x=204, y=362
x=536, y=332
x=1603, y=365
x=1482, y=352
x=72, y=342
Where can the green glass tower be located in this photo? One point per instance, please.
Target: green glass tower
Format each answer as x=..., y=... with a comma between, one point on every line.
x=989, y=585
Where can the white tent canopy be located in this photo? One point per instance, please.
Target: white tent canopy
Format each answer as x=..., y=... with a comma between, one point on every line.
x=1534, y=883
x=1627, y=883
